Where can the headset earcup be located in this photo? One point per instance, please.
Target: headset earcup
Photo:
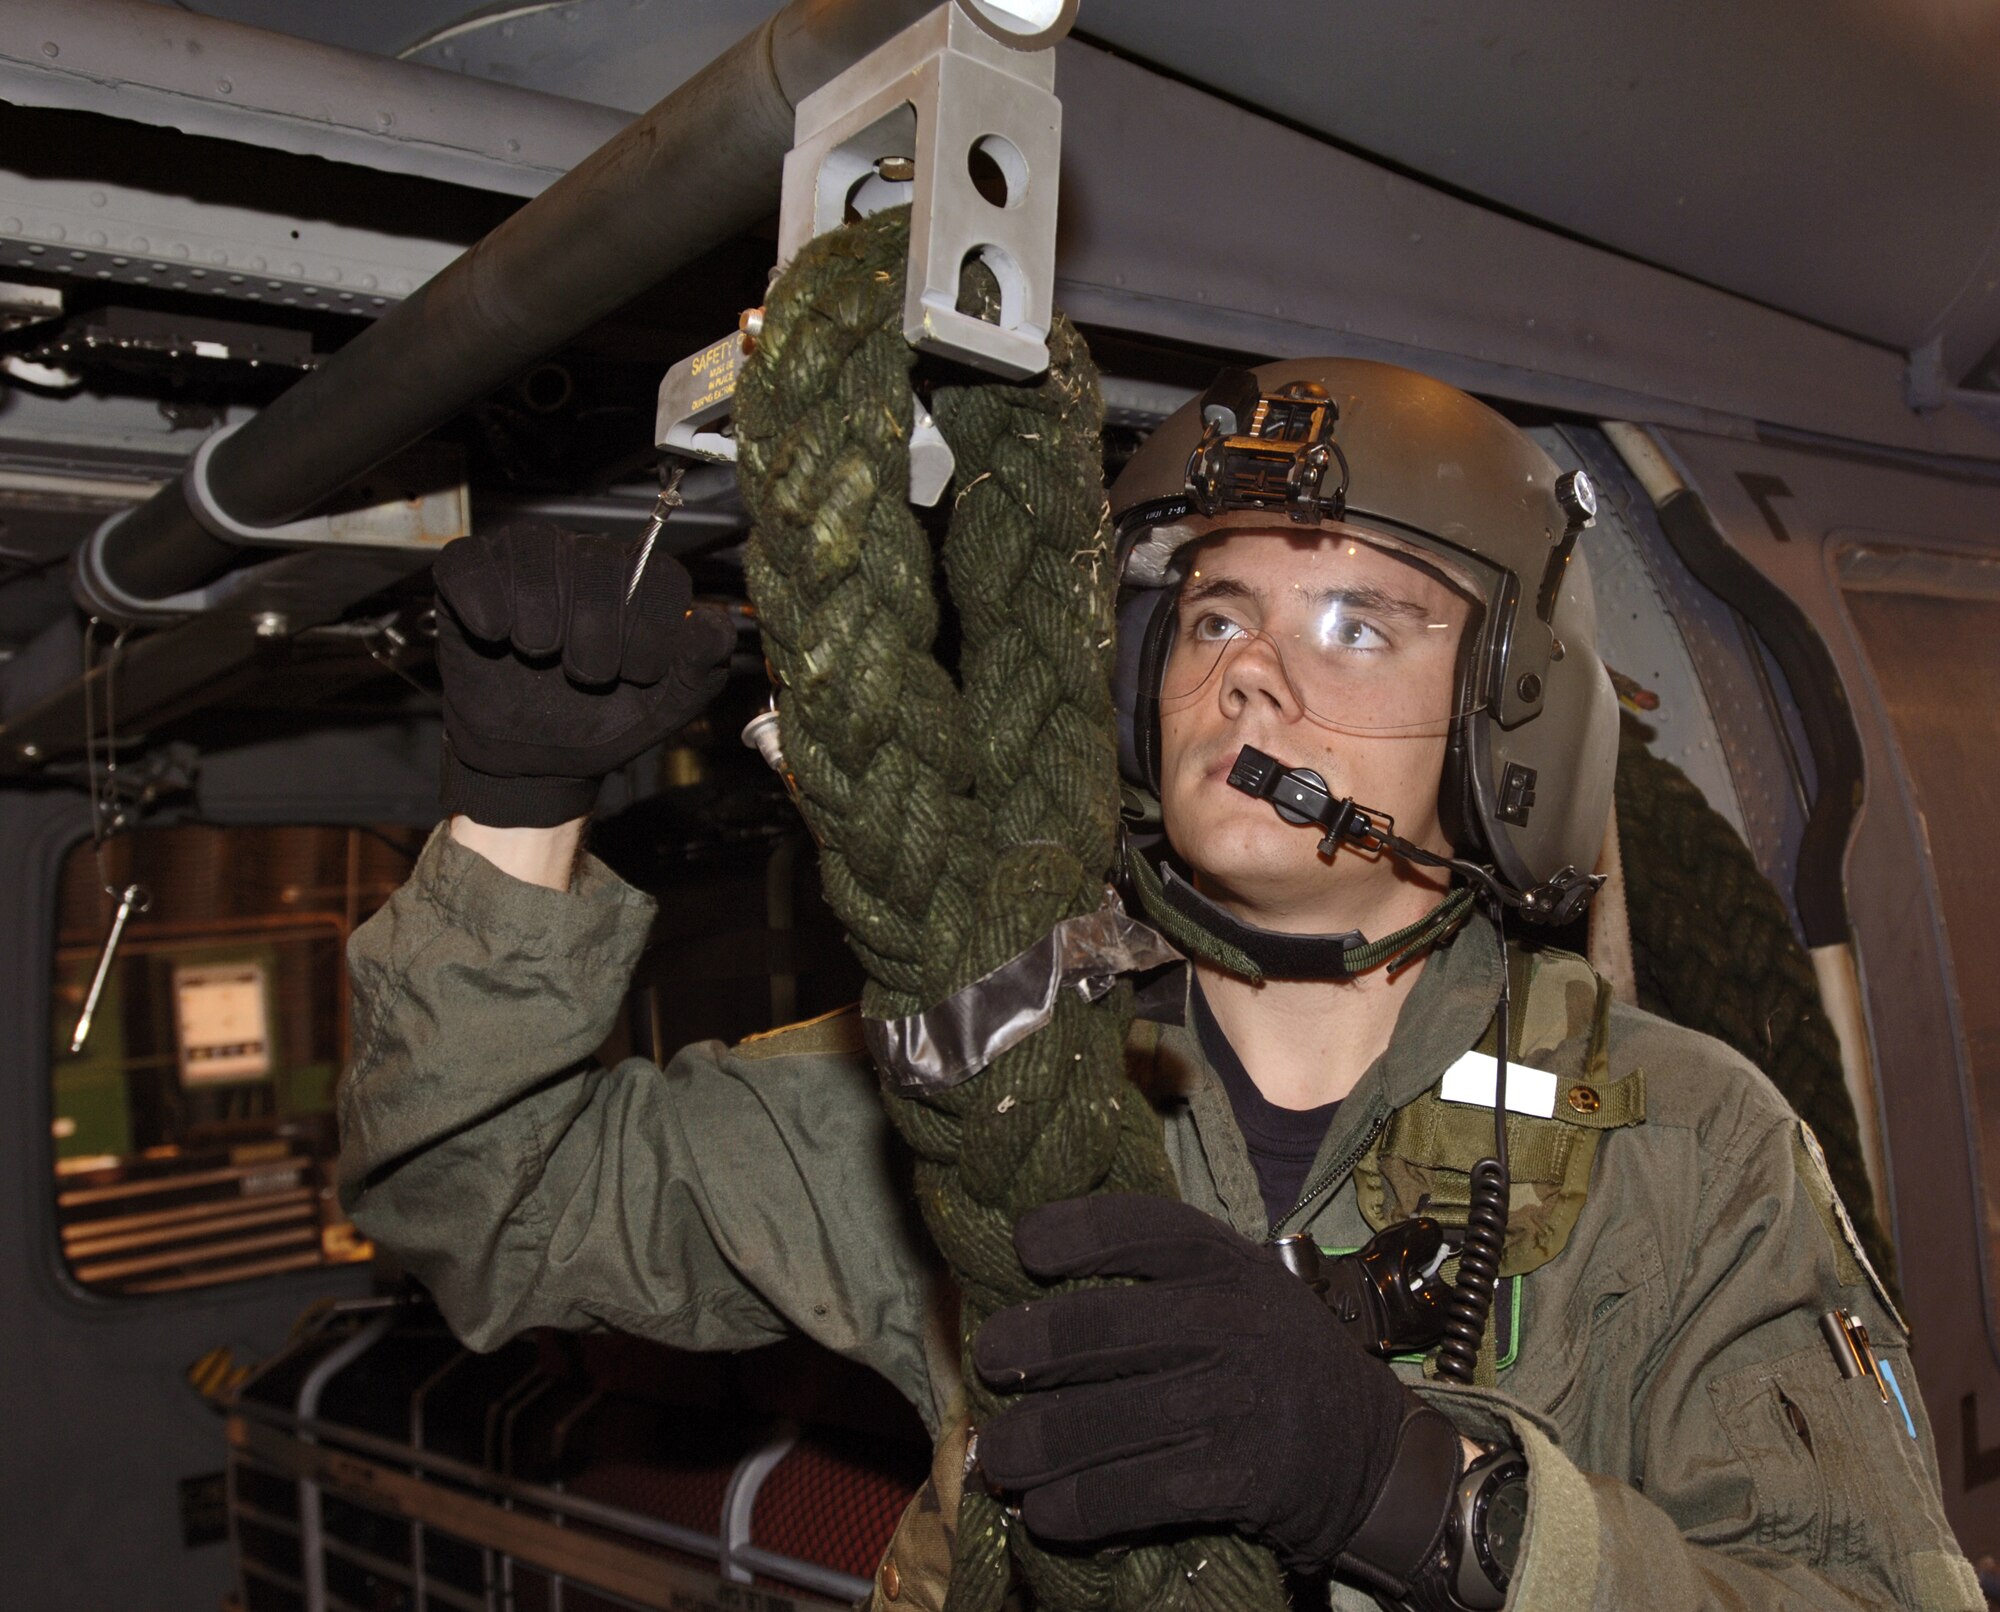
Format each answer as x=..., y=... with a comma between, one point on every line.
x=1458, y=809
x=1566, y=755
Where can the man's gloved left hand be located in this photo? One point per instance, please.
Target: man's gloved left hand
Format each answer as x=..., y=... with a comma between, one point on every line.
x=1217, y=1389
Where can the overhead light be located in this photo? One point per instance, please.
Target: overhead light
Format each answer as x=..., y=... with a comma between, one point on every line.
x=1025, y=24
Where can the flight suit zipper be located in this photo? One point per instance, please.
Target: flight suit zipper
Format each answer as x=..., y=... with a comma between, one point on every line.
x=1331, y=1176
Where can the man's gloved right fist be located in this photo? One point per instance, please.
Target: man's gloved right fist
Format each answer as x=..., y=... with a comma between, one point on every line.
x=552, y=677
x=1213, y=1388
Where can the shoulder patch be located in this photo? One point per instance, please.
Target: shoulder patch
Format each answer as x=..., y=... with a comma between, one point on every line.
x=1851, y=1261
x=837, y=1032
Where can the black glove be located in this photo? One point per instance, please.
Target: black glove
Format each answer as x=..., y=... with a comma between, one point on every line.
x=1217, y=1390
x=552, y=677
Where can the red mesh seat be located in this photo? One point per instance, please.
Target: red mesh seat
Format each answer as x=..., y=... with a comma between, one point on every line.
x=836, y=1498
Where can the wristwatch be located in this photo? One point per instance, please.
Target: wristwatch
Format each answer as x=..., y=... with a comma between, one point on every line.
x=1481, y=1547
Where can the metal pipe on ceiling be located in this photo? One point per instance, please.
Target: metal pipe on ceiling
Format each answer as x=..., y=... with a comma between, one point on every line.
x=697, y=169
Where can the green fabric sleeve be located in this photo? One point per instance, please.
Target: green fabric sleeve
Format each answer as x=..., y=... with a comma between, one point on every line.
x=712, y=1204
x=1758, y=1477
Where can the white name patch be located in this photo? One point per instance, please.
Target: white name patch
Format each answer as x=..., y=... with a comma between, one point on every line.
x=1473, y=1077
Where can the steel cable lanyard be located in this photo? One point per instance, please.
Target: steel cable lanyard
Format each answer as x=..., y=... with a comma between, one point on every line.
x=107, y=813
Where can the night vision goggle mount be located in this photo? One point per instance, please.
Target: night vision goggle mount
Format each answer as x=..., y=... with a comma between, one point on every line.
x=1268, y=450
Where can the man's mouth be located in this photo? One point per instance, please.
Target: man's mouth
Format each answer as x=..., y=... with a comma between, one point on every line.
x=1216, y=768
x=1216, y=772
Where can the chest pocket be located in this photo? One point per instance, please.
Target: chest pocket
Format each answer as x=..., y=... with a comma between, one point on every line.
x=1422, y=1162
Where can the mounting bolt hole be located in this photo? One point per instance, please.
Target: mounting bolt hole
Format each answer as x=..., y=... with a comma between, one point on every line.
x=999, y=171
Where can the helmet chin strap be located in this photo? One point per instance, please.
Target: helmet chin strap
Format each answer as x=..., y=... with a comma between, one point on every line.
x=1202, y=929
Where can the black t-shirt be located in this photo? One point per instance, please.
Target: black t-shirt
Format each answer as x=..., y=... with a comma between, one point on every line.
x=1283, y=1142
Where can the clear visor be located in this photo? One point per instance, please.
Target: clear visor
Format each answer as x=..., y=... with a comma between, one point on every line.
x=1360, y=635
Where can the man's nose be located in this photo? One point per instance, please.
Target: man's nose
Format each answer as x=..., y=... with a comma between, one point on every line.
x=1253, y=674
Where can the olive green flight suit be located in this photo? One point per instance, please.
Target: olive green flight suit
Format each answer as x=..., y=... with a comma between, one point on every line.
x=1656, y=1351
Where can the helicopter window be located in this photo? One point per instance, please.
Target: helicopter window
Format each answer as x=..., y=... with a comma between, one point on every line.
x=193, y=1129
x=1929, y=623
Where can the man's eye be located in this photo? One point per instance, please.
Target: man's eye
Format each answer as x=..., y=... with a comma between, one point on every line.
x=1341, y=629
x=1213, y=629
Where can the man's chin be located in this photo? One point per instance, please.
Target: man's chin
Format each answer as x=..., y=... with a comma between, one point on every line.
x=1272, y=865
x=1220, y=825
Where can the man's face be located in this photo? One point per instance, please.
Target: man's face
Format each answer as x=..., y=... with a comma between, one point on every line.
x=1326, y=653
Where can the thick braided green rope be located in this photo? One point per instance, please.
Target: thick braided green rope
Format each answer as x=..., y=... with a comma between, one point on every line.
x=960, y=820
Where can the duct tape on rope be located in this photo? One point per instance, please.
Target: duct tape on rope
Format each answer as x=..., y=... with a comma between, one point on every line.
x=948, y=1044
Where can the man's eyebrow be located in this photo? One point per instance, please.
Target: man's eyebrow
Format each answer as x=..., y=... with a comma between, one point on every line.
x=1360, y=596
x=1201, y=587
x=1365, y=597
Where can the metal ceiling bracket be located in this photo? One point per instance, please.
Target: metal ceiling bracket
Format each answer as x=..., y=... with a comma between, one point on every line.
x=698, y=398
x=955, y=117
x=968, y=131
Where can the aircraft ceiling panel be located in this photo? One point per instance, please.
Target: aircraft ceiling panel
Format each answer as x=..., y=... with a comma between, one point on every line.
x=95, y=228
x=1833, y=161
x=1235, y=231
x=381, y=26
x=1195, y=221
x=177, y=70
x=622, y=53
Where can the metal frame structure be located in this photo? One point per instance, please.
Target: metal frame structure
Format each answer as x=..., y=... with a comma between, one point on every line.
x=571, y=1542
x=698, y=168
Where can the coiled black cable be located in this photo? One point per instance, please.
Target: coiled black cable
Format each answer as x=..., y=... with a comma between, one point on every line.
x=1471, y=1300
